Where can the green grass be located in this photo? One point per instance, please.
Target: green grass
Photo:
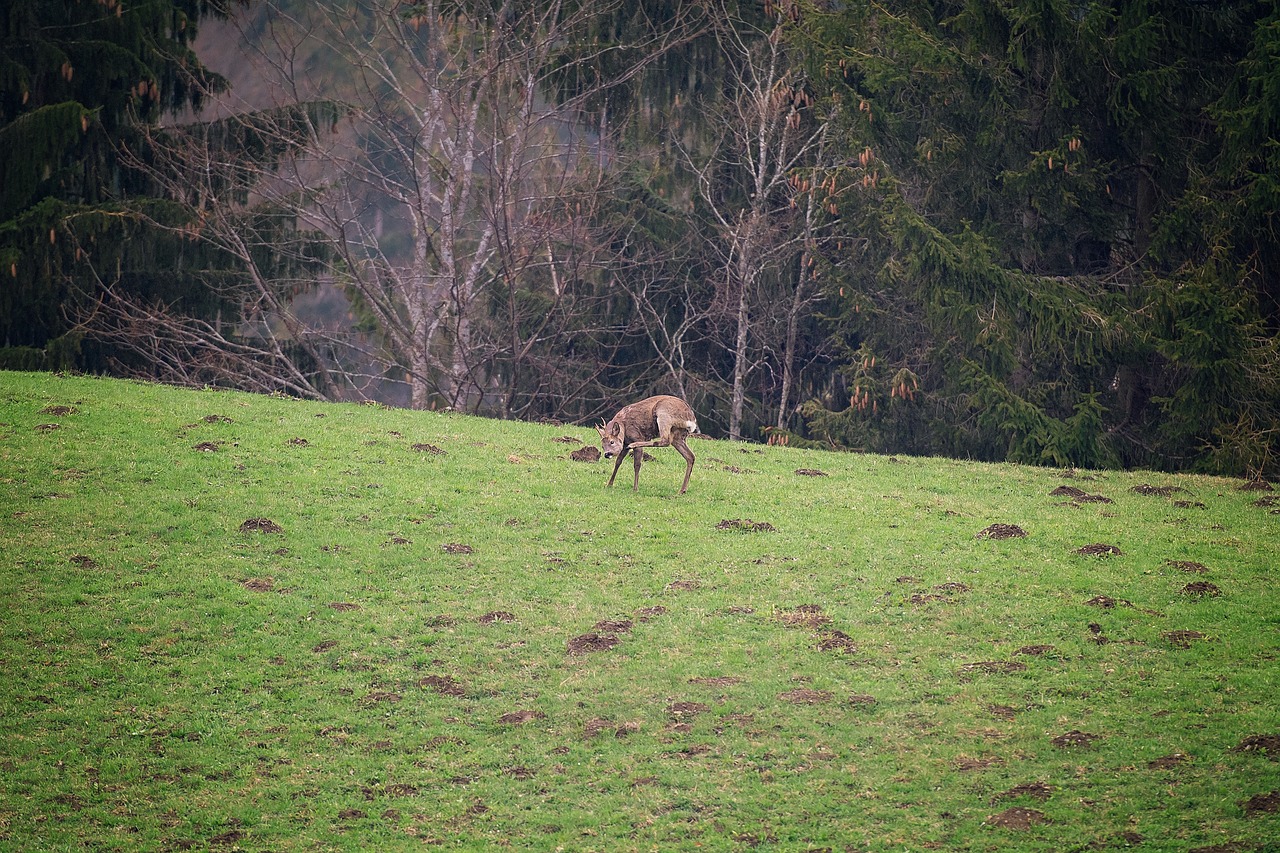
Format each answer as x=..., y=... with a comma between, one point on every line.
x=172, y=682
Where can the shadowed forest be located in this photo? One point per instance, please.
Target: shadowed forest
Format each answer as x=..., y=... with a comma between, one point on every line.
x=1040, y=233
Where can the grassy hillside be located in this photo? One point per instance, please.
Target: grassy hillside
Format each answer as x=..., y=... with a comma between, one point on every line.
x=239, y=622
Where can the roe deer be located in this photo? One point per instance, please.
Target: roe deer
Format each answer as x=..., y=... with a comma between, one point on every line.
x=660, y=421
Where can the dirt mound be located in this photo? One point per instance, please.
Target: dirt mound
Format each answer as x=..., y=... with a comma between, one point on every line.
x=745, y=525
x=1018, y=818
x=1201, y=589
x=716, y=681
x=1268, y=745
x=1001, y=531
x=836, y=641
x=58, y=411
x=496, y=616
x=260, y=525
x=516, y=718
x=457, y=548
x=680, y=710
x=1262, y=804
x=344, y=606
x=805, y=696
x=613, y=626
x=446, y=685
x=1099, y=549
x=428, y=448
x=1182, y=639
x=810, y=472
x=804, y=616
x=1079, y=495
x=648, y=614
x=259, y=584
x=1157, y=491
x=567, y=439
x=1167, y=762
x=1034, y=650
x=1035, y=790
x=1074, y=738
x=585, y=454
x=592, y=642
x=1187, y=566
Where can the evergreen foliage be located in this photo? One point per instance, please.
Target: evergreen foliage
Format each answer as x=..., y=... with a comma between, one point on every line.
x=77, y=78
x=1068, y=225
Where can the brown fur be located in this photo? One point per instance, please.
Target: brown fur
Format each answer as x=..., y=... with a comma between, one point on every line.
x=661, y=421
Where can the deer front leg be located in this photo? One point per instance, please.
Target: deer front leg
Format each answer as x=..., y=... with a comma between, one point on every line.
x=618, y=464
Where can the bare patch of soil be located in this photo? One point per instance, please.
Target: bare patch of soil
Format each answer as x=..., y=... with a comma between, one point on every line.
x=496, y=616
x=1074, y=738
x=428, y=448
x=1034, y=650
x=1038, y=791
x=832, y=640
x=84, y=562
x=377, y=697
x=746, y=525
x=1167, y=762
x=207, y=446
x=442, y=620
x=217, y=419
x=1187, y=566
x=516, y=718
x=1157, y=491
x=260, y=525
x=993, y=667
x=1201, y=589
x=58, y=411
x=1002, y=712
x=351, y=814
x=1257, y=485
x=567, y=439
x=1001, y=531
x=343, y=606
x=925, y=598
x=259, y=584
x=613, y=626
x=1267, y=502
x=1268, y=745
x=592, y=642
x=1262, y=804
x=681, y=710
x=1190, y=505
x=585, y=454
x=1106, y=602
x=1018, y=818
x=1099, y=549
x=445, y=685
x=298, y=442
x=1079, y=496
x=862, y=700
x=1182, y=639
x=457, y=548
x=716, y=681
x=599, y=725
x=804, y=616
x=805, y=696
x=810, y=472
x=648, y=614
x=48, y=427
x=684, y=586
x=953, y=586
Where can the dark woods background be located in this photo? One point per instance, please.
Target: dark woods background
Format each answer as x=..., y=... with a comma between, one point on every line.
x=1042, y=232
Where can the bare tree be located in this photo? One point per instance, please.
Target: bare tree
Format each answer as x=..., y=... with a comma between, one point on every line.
x=452, y=196
x=772, y=154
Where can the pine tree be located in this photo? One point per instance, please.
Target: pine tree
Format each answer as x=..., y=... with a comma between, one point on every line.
x=77, y=80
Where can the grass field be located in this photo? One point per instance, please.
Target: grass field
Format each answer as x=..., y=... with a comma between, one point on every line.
x=235, y=622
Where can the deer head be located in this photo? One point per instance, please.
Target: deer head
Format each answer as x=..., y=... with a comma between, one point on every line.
x=611, y=438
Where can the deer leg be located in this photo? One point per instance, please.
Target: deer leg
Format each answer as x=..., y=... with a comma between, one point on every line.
x=683, y=449
x=618, y=464
x=638, y=455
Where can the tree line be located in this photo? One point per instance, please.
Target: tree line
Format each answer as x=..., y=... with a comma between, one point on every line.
x=1033, y=232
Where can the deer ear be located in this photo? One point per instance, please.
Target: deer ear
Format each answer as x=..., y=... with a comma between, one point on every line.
x=617, y=428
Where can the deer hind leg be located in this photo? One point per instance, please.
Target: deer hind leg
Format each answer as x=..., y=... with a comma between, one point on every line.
x=618, y=464
x=638, y=456
x=677, y=441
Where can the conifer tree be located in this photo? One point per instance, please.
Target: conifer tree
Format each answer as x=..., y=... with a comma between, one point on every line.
x=77, y=79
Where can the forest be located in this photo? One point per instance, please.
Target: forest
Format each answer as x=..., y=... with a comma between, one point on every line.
x=1041, y=232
